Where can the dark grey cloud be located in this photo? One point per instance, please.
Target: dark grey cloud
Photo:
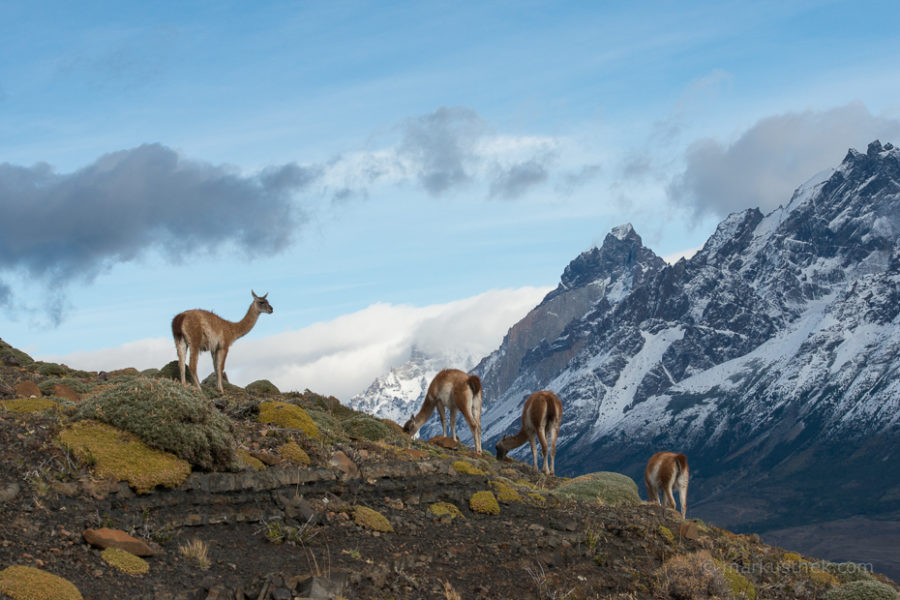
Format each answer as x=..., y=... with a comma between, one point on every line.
x=514, y=181
x=60, y=228
x=770, y=160
x=441, y=145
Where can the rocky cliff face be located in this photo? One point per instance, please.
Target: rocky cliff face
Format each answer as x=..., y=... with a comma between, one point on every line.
x=771, y=357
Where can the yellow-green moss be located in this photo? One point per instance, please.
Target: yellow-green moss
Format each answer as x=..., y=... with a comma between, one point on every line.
x=250, y=460
x=505, y=493
x=125, y=561
x=28, y=583
x=445, y=509
x=667, y=534
x=289, y=416
x=740, y=586
x=367, y=517
x=29, y=405
x=485, y=503
x=119, y=454
x=791, y=557
x=468, y=468
x=294, y=453
x=525, y=483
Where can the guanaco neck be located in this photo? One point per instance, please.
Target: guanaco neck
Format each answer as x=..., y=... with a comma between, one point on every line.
x=243, y=327
x=424, y=413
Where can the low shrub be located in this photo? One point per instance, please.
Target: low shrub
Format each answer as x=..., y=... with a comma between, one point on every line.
x=262, y=387
x=372, y=519
x=694, y=575
x=28, y=583
x=445, y=509
x=862, y=590
x=464, y=466
x=170, y=417
x=613, y=489
x=505, y=493
x=485, y=503
x=294, y=453
x=125, y=561
x=364, y=427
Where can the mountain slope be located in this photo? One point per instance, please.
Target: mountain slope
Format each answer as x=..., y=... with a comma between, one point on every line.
x=771, y=357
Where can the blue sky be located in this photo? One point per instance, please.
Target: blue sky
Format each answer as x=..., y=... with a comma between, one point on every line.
x=391, y=173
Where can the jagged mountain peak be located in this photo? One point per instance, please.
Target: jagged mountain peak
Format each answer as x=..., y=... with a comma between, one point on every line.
x=622, y=253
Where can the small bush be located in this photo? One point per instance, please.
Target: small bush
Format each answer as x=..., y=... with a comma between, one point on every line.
x=485, y=503
x=121, y=455
x=196, y=552
x=28, y=583
x=170, y=417
x=170, y=371
x=125, y=561
x=47, y=385
x=372, y=519
x=740, y=586
x=262, y=387
x=613, y=489
x=847, y=571
x=442, y=509
x=694, y=575
x=294, y=453
x=51, y=369
x=667, y=534
x=151, y=372
x=862, y=590
x=364, y=427
x=289, y=416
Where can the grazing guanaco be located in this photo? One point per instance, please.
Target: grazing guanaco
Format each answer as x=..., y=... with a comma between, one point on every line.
x=541, y=416
x=458, y=391
x=202, y=330
x=667, y=470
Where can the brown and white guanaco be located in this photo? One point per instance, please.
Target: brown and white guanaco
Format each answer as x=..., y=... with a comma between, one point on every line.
x=541, y=417
x=202, y=330
x=458, y=391
x=667, y=470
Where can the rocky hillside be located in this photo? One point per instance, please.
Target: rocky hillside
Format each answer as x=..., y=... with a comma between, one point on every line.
x=771, y=358
x=126, y=485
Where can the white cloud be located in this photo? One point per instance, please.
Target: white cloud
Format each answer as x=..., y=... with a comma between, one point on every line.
x=342, y=356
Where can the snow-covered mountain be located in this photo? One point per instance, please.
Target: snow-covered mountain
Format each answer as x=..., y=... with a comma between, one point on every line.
x=400, y=393
x=771, y=357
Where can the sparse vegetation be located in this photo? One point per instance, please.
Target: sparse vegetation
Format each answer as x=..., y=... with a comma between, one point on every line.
x=464, y=466
x=690, y=576
x=196, y=552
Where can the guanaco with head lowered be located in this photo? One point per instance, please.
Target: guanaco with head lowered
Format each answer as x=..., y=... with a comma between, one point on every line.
x=202, y=330
x=458, y=391
x=667, y=470
x=541, y=416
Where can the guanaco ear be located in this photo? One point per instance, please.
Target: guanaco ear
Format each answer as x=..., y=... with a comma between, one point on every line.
x=255, y=297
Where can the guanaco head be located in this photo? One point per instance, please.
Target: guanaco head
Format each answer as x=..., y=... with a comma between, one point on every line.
x=410, y=427
x=262, y=305
x=501, y=448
